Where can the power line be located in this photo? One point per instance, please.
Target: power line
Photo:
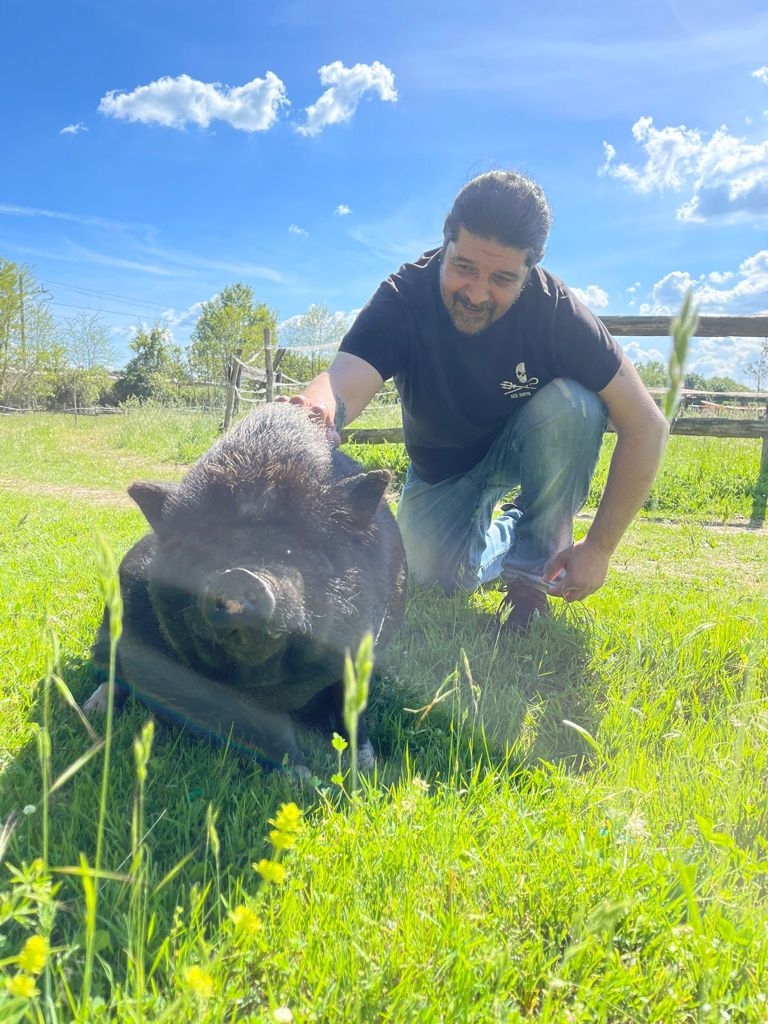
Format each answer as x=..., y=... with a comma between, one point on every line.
x=90, y=309
x=103, y=295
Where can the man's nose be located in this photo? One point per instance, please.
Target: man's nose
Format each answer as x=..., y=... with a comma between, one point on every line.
x=478, y=292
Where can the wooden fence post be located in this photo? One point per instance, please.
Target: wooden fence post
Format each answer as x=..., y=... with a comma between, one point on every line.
x=238, y=379
x=233, y=372
x=269, y=383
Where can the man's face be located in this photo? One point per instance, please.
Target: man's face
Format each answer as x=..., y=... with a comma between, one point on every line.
x=479, y=280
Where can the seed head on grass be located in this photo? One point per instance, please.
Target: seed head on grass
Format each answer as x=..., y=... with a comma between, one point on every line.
x=683, y=328
x=142, y=749
x=357, y=677
x=109, y=587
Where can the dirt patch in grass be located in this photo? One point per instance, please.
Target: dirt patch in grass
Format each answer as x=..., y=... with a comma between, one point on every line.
x=89, y=495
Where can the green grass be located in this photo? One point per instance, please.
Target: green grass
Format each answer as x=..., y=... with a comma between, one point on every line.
x=708, y=479
x=567, y=827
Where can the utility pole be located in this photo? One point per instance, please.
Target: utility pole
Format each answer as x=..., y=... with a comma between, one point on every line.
x=21, y=319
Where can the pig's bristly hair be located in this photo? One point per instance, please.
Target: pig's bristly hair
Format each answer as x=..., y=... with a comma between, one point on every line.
x=275, y=445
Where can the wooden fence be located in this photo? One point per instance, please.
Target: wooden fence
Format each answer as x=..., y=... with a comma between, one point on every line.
x=692, y=426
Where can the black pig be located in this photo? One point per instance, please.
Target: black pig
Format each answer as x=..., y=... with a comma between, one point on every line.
x=272, y=557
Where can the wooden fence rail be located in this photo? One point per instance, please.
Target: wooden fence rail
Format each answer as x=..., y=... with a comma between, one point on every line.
x=691, y=426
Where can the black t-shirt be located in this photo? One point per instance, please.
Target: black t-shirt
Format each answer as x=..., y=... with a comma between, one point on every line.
x=458, y=390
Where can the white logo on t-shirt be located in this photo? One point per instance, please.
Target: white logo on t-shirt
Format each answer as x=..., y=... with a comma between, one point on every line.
x=525, y=386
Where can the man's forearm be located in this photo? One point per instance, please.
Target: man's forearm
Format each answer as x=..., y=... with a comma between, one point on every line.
x=633, y=469
x=345, y=389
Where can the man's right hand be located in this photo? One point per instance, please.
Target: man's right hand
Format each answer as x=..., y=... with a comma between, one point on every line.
x=318, y=413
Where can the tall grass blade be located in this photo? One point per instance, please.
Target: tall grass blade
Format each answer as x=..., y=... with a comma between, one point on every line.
x=683, y=328
x=75, y=767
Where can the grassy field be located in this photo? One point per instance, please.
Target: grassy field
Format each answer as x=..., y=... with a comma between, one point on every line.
x=567, y=827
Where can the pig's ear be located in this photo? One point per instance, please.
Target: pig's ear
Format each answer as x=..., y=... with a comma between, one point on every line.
x=360, y=495
x=152, y=499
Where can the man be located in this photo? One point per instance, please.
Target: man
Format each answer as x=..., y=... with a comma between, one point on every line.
x=505, y=379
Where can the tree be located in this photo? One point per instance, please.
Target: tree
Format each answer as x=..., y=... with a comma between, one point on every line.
x=156, y=364
x=653, y=373
x=228, y=323
x=757, y=369
x=88, y=351
x=695, y=382
x=724, y=384
x=315, y=335
x=31, y=351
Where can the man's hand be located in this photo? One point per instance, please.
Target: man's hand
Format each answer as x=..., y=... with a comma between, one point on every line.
x=338, y=395
x=584, y=567
x=318, y=413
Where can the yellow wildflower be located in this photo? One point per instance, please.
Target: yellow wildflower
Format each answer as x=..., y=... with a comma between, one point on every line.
x=199, y=981
x=288, y=818
x=281, y=840
x=245, y=920
x=34, y=954
x=270, y=871
x=22, y=986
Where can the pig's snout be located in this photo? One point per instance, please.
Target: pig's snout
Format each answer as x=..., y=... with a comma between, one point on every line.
x=237, y=599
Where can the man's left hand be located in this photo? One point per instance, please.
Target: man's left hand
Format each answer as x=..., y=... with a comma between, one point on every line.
x=584, y=567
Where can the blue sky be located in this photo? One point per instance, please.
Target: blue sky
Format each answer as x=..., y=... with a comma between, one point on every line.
x=154, y=152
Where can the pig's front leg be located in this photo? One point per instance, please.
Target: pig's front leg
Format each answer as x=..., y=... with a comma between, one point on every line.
x=187, y=698
x=98, y=702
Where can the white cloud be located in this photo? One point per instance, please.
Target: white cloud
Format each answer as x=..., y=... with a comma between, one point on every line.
x=296, y=230
x=191, y=261
x=173, y=317
x=639, y=352
x=76, y=218
x=761, y=74
x=746, y=296
x=592, y=296
x=346, y=87
x=342, y=210
x=74, y=129
x=73, y=253
x=175, y=102
x=726, y=176
x=317, y=330
x=633, y=288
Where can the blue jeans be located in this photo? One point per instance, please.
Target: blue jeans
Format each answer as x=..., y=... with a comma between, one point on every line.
x=549, y=448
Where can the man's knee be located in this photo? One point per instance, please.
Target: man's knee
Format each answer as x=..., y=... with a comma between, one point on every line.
x=566, y=409
x=566, y=398
x=428, y=565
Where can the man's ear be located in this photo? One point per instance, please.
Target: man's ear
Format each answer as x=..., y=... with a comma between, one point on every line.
x=359, y=495
x=153, y=500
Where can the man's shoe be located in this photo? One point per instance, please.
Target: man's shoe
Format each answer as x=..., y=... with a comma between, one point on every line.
x=520, y=605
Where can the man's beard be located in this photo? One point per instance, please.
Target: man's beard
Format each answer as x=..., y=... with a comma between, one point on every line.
x=461, y=312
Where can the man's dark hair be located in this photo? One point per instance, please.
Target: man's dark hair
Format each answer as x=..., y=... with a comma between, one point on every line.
x=504, y=206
